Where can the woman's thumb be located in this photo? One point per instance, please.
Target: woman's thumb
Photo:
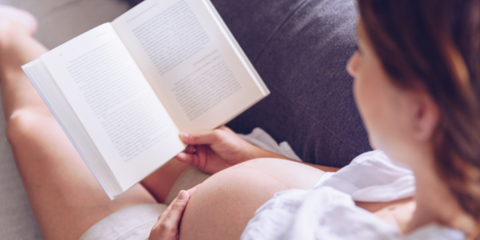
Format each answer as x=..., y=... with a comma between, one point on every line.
x=203, y=138
x=183, y=195
x=178, y=206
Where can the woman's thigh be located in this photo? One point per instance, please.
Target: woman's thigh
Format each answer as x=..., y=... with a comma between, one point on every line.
x=64, y=195
x=224, y=203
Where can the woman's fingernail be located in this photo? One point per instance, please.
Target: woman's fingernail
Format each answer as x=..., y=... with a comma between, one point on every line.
x=179, y=158
x=182, y=195
x=184, y=135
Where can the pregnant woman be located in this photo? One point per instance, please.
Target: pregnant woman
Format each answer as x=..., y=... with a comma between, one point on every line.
x=417, y=86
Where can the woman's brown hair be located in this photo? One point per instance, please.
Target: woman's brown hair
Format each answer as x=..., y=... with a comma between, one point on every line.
x=436, y=44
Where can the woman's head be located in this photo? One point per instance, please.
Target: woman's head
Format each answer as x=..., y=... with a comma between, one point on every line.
x=417, y=85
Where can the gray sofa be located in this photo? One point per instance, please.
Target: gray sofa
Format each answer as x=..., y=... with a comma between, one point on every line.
x=299, y=47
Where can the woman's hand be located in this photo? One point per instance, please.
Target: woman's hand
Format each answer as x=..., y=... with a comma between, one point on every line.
x=213, y=151
x=167, y=226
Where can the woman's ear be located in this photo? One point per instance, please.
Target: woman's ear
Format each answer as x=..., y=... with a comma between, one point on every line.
x=425, y=117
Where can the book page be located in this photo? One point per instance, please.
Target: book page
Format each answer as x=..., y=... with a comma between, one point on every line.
x=192, y=62
x=115, y=103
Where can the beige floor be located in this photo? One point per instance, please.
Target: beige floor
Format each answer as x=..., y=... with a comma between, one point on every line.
x=59, y=21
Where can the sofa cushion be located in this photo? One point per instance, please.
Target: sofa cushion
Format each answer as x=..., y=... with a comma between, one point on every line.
x=300, y=49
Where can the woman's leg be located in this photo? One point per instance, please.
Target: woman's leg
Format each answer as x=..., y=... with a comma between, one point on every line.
x=222, y=206
x=65, y=197
x=160, y=182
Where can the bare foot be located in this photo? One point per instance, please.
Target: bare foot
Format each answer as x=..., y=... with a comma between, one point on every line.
x=23, y=18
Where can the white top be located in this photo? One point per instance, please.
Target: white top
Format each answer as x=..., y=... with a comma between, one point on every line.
x=328, y=211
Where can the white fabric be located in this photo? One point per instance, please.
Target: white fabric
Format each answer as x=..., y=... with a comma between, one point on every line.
x=328, y=211
x=130, y=223
x=262, y=139
x=373, y=177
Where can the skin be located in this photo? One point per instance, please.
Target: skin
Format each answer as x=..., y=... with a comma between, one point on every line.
x=228, y=200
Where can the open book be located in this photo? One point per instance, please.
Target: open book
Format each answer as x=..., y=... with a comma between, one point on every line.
x=124, y=90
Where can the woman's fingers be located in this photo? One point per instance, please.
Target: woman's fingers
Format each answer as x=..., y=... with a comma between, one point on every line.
x=197, y=159
x=173, y=214
x=203, y=138
x=175, y=211
x=191, y=149
x=185, y=158
x=213, y=151
x=166, y=227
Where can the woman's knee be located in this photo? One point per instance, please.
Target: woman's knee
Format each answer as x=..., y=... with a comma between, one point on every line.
x=19, y=124
x=25, y=127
